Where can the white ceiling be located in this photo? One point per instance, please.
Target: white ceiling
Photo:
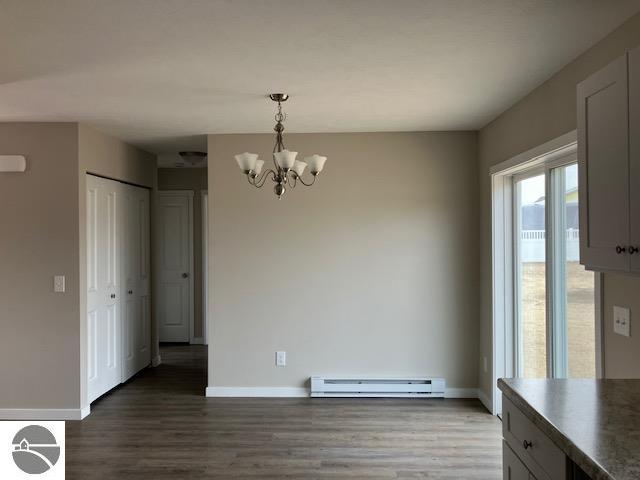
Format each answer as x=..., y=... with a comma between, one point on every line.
x=161, y=73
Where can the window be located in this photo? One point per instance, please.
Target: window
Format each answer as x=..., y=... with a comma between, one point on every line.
x=546, y=313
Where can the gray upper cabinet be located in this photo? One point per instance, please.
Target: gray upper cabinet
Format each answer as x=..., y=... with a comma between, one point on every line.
x=634, y=157
x=606, y=209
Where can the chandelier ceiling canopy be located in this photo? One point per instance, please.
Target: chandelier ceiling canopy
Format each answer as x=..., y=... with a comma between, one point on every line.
x=288, y=171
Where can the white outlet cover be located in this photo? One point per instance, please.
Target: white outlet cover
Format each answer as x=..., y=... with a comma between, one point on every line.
x=281, y=359
x=621, y=321
x=59, y=284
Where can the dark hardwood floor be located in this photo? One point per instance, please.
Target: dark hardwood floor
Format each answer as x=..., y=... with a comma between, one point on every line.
x=159, y=425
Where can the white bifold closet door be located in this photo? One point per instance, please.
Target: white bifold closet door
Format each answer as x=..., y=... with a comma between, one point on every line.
x=118, y=283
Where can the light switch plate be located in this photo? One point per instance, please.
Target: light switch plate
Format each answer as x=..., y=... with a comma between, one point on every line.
x=281, y=359
x=621, y=321
x=59, y=284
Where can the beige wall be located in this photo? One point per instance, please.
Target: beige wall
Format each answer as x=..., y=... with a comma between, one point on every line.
x=43, y=229
x=371, y=271
x=39, y=343
x=109, y=157
x=546, y=113
x=112, y=158
x=190, y=179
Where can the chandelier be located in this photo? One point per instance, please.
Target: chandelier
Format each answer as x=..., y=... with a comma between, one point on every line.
x=288, y=170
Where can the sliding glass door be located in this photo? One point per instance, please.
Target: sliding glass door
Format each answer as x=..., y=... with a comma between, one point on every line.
x=554, y=318
x=573, y=294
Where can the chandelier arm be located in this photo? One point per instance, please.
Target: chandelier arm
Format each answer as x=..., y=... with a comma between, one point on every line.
x=305, y=183
x=259, y=182
x=292, y=179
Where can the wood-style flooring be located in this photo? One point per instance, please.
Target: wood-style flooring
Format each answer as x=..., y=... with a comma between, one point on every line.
x=159, y=426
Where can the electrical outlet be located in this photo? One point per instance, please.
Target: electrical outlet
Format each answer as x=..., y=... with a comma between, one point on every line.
x=281, y=359
x=59, y=284
x=621, y=321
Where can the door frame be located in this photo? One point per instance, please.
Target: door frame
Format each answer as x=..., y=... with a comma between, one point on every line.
x=189, y=194
x=542, y=158
x=204, y=210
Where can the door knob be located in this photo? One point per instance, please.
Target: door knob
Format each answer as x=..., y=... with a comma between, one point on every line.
x=113, y=295
x=620, y=249
x=185, y=275
x=633, y=250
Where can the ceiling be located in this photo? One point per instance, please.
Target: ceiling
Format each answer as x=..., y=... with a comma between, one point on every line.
x=162, y=73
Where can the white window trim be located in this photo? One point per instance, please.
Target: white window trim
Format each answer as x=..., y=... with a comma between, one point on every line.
x=541, y=159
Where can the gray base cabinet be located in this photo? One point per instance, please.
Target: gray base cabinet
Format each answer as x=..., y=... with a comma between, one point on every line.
x=528, y=454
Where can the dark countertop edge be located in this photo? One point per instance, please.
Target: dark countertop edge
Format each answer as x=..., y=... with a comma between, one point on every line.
x=584, y=461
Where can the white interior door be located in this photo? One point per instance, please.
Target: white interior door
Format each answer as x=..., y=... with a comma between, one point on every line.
x=103, y=286
x=174, y=300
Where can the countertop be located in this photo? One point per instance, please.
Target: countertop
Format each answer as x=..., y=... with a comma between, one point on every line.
x=595, y=422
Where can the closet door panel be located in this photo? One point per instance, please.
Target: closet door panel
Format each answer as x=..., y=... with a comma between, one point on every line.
x=131, y=267
x=143, y=290
x=118, y=283
x=93, y=297
x=103, y=285
x=634, y=156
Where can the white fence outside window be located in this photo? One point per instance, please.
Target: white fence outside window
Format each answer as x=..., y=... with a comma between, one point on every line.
x=532, y=245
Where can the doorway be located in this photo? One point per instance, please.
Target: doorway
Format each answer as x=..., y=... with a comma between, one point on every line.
x=546, y=308
x=174, y=266
x=186, y=186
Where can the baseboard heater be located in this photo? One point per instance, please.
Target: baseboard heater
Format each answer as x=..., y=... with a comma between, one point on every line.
x=412, y=387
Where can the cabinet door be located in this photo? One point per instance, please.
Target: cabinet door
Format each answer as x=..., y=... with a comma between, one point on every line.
x=603, y=159
x=634, y=157
x=512, y=467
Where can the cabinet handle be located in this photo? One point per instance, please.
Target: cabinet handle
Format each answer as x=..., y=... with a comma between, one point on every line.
x=633, y=250
x=185, y=275
x=620, y=249
x=113, y=295
x=526, y=444
x=130, y=292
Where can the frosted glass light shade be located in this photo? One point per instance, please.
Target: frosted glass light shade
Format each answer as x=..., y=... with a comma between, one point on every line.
x=285, y=159
x=247, y=161
x=258, y=168
x=316, y=163
x=299, y=167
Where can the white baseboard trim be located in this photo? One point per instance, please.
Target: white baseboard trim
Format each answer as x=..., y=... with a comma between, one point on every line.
x=291, y=392
x=460, y=393
x=295, y=392
x=44, y=413
x=485, y=400
x=155, y=361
